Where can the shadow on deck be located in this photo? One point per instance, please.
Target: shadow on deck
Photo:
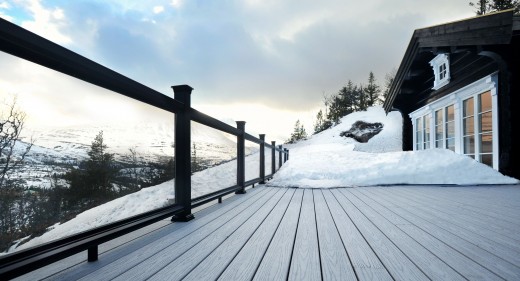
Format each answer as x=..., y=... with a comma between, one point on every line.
x=376, y=233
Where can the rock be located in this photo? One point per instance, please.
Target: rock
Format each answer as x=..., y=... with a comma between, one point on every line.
x=362, y=131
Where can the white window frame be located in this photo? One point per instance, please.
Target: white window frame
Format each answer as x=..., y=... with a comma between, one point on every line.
x=488, y=83
x=436, y=63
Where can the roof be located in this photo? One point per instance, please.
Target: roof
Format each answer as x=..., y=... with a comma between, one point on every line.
x=490, y=29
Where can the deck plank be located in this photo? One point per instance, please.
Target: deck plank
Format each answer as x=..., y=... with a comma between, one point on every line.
x=502, y=227
x=428, y=262
x=365, y=262
x=204, y=225
x=214, y=264
x=275, y=263
x=397, y=263
x=492, y=262
x=216, y=230
x=492, y=241
x=117, y=248
x=335, y=262
x=305, y=262
x=246, y=262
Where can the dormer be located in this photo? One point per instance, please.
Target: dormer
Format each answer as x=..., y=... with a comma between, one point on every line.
x=441, y=70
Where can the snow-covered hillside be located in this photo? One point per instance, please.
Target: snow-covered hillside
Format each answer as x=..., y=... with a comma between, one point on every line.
x=328, y=160
x=53, y=147
x=325, y=160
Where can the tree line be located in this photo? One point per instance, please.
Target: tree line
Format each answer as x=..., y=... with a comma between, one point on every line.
x=349, y=98
x=487, y=6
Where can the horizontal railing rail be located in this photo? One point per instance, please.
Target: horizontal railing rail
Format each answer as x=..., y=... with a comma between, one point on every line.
x=26, y=45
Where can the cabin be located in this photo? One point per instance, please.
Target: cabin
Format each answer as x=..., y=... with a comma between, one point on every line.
x=458, y=88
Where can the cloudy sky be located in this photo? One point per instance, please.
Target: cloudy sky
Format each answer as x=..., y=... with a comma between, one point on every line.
x=266, y=62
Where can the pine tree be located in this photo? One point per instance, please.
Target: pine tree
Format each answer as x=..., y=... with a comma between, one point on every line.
x=298, y=134
x=389, y=80
x=483, y=7
x=318, y=126
x=487, y=6
x=100, y=170
x=371, y=91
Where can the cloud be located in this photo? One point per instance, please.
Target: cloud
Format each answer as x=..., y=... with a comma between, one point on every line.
x=4, y=5
x=158, y=9
x=176, y=3
x=282, y=54
x=46, y=22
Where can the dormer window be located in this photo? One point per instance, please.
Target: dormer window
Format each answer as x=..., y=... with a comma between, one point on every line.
x=441, y=70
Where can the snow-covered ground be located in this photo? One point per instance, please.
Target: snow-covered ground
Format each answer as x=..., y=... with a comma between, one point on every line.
x=325, y=160
x=328, y=160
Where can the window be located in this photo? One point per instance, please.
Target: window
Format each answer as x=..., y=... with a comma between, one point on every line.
x=485, y=129
x=422, y=132
x=441, y=71
x=445, y=128
x=464, y=121
x=468, y=128
x=450, y=127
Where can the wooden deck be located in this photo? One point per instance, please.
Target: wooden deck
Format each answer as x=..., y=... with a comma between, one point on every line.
x=371, y=233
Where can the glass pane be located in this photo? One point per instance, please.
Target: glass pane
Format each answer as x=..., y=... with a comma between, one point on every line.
x=419, y=137
x=484, y=101
x=469, y=144
x=427, y=123
x=450, y=113
x=450, y=144
x=438, y=133
x=486, y=143
x=468, y=107
x=485, y=122
x=418, y=146
x=438, y=117
x=469, y=128
x=450, y=129
x=418, y=123
x=438, y=144
x=487, y=159
x=426, y=145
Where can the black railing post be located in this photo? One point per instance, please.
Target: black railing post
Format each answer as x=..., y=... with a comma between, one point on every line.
x=182, y=93
x=241, y=157
x=287, y=154
x=280, y=156
x=262, y=158
x=273, y=155
x=285, y=150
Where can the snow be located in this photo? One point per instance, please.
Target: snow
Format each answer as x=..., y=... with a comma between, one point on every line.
x=326, y=160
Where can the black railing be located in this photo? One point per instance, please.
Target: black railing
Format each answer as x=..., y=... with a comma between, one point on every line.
x=26, y=45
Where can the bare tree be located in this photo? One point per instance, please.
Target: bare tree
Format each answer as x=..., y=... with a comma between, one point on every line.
x=12, y=121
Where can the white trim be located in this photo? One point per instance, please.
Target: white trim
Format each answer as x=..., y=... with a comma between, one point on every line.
x=436, y=63
x=488, y=83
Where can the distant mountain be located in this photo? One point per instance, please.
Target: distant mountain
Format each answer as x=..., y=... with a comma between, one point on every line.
x=55, y=148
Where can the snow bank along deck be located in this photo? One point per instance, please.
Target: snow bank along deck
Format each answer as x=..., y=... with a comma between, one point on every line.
x=375, y=233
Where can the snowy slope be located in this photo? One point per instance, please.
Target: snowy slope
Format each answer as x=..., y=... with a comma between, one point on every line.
x=328, y=160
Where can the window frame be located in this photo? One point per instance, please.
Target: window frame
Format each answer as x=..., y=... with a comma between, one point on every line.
x=456, y=99
x=442, y=76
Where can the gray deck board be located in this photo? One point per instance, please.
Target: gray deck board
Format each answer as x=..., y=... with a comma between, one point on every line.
x=494, y=263
x=275, y=263
x=217, y=231
x=335, y=262
x=305, y=263
x=209, y=257
x=416, y=250
x=365, y=262
x=208, y=223
x=244, y=264
x=395, y=261
x=365, y=233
